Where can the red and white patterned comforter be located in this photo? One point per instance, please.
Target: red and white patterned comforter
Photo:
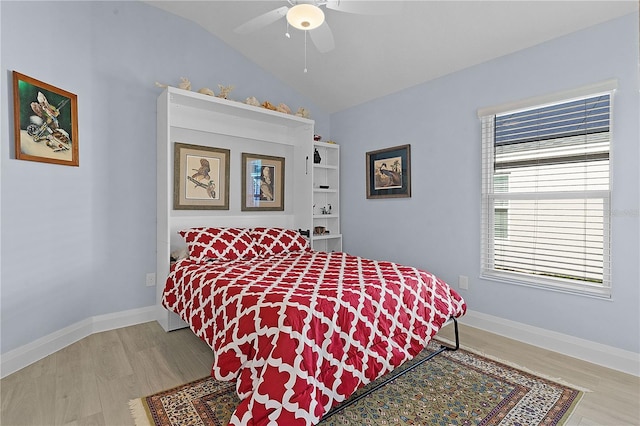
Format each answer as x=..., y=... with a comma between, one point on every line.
x=302, y=331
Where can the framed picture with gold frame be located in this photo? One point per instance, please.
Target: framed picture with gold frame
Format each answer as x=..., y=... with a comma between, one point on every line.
x=262, y=182
x=45, y=122
x=201, y=177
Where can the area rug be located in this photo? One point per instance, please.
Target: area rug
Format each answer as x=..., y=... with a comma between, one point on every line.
x=454, y=388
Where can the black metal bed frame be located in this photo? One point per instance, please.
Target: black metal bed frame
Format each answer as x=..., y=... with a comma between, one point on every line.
x=393, y=376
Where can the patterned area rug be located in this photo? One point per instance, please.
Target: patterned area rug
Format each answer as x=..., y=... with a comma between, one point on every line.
x=454, y=388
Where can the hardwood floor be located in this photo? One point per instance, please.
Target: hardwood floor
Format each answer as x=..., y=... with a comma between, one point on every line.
x=91, y=381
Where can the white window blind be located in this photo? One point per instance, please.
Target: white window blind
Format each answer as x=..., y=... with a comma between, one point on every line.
x=546, y=192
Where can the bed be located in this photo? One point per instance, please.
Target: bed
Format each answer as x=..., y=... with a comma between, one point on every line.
x=300, y=330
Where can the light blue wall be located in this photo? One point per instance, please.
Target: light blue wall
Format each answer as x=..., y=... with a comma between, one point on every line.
x=438, y=228
x=77, y=242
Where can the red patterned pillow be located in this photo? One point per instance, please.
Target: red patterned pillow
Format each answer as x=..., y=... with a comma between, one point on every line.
x=219, y=243
x=270, y=241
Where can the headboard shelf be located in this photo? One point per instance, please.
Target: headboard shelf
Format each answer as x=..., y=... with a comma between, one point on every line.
x=180, y=98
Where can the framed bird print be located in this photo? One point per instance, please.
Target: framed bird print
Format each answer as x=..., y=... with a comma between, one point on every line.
x=262, y=182
x=45, y=122
x=389, y=172
x=201, y=177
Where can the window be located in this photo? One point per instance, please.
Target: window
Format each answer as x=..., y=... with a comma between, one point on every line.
x=546, y=191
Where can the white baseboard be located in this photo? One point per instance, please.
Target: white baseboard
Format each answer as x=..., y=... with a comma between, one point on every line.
x=23, y=356
x=586, y=350
x=607, y=356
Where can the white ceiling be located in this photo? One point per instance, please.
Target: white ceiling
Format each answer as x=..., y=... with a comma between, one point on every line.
x=378, y=55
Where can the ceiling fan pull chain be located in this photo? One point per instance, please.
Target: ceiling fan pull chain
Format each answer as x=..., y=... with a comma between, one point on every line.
x=305, y=51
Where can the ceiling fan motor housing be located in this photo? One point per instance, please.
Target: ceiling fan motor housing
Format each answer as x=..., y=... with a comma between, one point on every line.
x=305, y=16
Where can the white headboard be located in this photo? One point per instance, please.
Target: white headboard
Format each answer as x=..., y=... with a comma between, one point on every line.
x=197, y=119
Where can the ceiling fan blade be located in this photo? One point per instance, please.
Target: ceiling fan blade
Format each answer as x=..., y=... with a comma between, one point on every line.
x=262, y=21
x=322, y=37
x=366, y=7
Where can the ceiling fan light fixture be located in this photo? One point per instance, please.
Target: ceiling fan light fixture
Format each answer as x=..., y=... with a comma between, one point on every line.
x=305, y=16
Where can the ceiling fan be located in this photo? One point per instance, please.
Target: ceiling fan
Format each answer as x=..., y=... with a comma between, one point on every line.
x=308, y=16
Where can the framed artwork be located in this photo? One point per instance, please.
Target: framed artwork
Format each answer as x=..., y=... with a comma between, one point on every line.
x=201, y=177
x=389, y=172
x=262, y=182
x=45, y=122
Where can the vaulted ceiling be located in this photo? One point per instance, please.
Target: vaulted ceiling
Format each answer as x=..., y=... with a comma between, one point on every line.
x=376, y=55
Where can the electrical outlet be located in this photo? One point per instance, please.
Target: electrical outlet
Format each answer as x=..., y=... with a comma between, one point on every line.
x=151, y=279
x=463, y=282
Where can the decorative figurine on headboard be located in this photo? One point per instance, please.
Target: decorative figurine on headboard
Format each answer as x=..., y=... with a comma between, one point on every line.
x=316, y=157
x=184, y=84
x=206, y=91
x=283, y=108
x=303, y=112
x=252, y=100
x=268, y=105
x=224, y=91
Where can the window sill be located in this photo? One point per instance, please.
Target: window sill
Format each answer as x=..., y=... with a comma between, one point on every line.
x=562, y=286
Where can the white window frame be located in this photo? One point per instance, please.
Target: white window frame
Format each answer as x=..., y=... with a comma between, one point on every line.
x=487, y=116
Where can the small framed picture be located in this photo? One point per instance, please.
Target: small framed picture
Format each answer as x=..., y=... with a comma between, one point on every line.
x=262, y=182
x=45, y=122
x=389, y=172
x=201, y=177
